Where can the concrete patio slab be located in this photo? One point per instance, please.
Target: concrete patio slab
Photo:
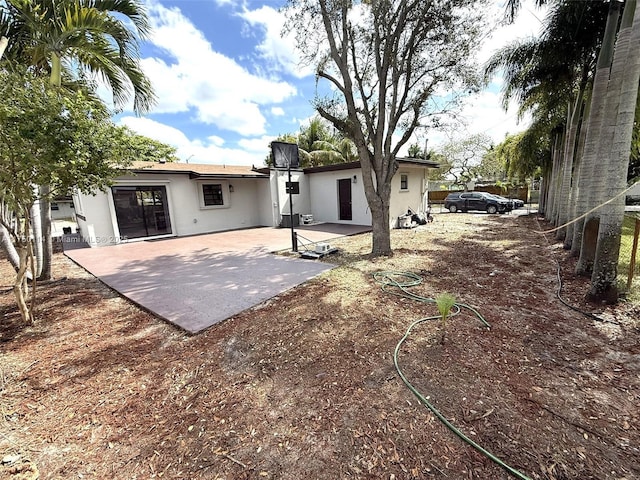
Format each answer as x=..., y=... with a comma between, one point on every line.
x=195, y=282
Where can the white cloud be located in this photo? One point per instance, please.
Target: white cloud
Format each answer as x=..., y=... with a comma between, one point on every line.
x=250, y=151
x=277, y=111
x=278, y=49
x=259, y=145
x=214, y=139
x=199, y=79
x=156, y=130
x=527, y=24
x=483, y=113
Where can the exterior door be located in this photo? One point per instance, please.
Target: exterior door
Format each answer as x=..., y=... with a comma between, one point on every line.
x=141, y=211
x=344, y=199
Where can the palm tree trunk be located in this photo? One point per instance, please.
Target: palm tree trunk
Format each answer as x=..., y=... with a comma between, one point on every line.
x=45, y=272
x=575, y=186
x=578, y=189
x=47, y=241
x=587, y=197
x=554, y=185
x=623, y=96
x=569, y=148
x=600, y=181
x=36, y=229
x=56, y=70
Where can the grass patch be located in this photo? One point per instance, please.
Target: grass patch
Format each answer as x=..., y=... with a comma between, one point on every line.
x=624, y=260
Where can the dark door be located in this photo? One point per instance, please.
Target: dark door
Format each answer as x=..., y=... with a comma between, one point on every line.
x=344, y=199
x=141, y=211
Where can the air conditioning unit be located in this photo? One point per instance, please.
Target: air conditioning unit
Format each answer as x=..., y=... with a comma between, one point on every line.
x=322, y=247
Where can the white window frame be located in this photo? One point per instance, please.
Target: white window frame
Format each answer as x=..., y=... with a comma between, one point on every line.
x=406, y=175
x=226, y=198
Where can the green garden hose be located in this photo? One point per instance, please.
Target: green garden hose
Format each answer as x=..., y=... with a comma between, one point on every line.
x=389, y=279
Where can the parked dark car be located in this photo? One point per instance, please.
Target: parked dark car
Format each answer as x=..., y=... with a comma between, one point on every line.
x=516, y=202
x=465, y=201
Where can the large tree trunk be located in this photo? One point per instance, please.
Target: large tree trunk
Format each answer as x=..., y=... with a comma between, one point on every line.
x=586, y=198
x=378, y=193
x=621, y=99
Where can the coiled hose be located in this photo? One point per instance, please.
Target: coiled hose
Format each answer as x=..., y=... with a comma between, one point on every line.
x=397, y=283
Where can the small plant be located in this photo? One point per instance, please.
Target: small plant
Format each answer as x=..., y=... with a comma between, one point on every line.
x=445, y=302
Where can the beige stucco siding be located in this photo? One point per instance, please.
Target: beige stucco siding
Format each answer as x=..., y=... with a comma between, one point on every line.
x=244, y=206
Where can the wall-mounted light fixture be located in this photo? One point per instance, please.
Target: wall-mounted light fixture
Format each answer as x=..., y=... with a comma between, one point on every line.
x=231, y=188
x=355, y=179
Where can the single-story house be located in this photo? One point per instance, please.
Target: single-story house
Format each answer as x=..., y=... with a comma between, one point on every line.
x=155, y=200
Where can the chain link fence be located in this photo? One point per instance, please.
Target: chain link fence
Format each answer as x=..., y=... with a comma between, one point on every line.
x=628, y=261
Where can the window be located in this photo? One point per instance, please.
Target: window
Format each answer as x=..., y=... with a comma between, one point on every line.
x=212, y=194
x=55, y=206
x=404, y=182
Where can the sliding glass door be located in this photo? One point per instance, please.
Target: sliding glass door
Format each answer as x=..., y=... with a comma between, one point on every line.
x=141, y=211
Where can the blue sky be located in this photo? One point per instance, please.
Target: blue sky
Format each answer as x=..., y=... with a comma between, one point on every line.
x=228, y=83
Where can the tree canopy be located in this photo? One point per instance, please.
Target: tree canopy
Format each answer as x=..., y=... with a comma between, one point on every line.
x=318, y=145
x=81, y=39
x=140, y=147
x=385, y=63
x=48, y=136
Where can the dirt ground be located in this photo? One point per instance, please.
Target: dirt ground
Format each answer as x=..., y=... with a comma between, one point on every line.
x=304, y=386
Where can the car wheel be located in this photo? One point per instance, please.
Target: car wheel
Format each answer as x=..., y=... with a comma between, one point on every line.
x=492, y=209
x=453, y=208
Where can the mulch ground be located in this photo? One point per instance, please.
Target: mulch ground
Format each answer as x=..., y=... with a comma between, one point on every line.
x=304, y=386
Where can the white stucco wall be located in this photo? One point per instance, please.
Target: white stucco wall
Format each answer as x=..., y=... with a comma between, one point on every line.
x=411, y=198
x=280, y=198
x=65, y=210
x=244, y=206
x=94, y=219
x=323, y=187
x=324, y=195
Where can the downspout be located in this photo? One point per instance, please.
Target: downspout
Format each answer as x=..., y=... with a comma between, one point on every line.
x=277, y=214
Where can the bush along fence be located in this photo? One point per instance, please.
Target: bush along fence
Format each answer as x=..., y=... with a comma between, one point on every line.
x=628, y=261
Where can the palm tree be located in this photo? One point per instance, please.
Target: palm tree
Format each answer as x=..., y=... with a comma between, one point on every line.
x=616, y=139
x=608, y=137
x=588, y=191
x=86, y=35
x=74, y=38
x=542, y=77
x=319, y=147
